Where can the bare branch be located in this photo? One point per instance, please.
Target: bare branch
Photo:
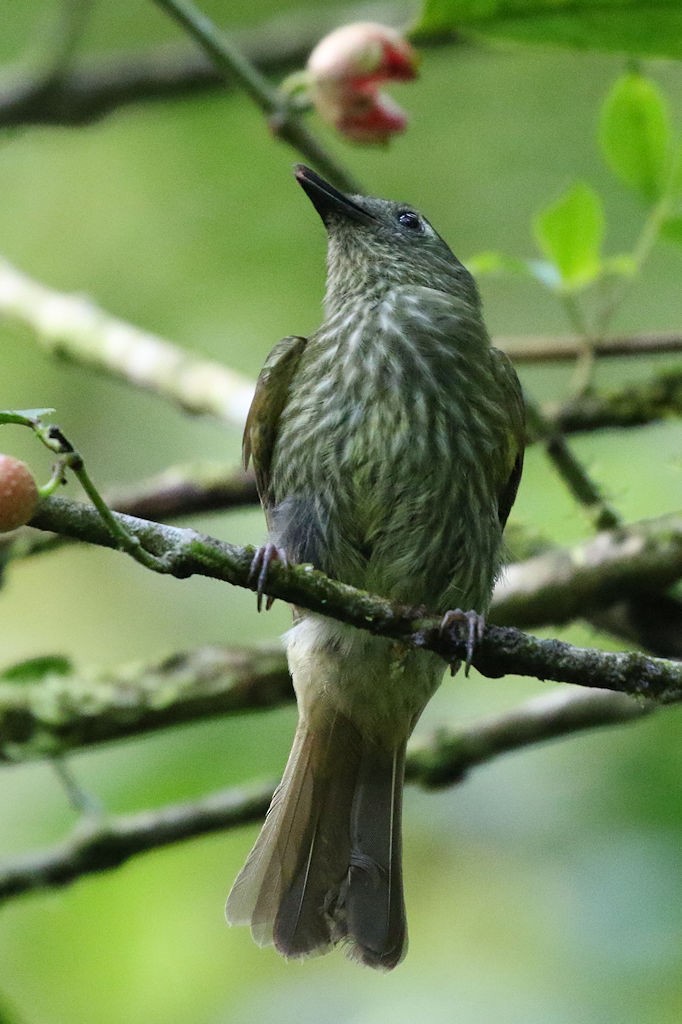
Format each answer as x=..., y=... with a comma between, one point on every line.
x=73, y=327
x=548, y=349
x=99, y=845
x=502, y=650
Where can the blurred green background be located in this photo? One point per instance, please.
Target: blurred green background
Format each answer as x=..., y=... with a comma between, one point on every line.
x=547, y=887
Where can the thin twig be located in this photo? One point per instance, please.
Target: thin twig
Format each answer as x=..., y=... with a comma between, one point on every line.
x=548, y=349
x=284, y=121
x=443, y=760
x=578, y=481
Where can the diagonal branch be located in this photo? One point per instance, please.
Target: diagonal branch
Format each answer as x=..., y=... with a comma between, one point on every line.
x=101, y=844
x=91, y=90
x=234, y=65
x=75, y=328
x=183, y=553
x=563, y=584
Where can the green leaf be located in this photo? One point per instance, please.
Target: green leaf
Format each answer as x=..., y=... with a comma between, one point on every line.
x=33, y=670
x=635, y=134
x=570, y=234
x=650, y=28
x=490, y=262
x=25, y=417
x=671, y=229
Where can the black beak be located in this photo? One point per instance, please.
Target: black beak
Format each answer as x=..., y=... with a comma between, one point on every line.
x=326, y=199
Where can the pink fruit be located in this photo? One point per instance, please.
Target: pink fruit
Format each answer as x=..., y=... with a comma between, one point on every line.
x=345, y=71
x=18, y=493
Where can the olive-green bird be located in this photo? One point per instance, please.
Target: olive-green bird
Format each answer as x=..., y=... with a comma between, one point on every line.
x=388, y=449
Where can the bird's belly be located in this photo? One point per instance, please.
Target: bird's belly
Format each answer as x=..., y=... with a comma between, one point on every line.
x=381, y=685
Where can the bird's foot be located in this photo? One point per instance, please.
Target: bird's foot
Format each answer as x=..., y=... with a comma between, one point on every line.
x=260, y=565
x=475, y=624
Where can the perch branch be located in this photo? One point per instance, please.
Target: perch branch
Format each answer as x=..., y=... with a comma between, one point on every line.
x=184, y=552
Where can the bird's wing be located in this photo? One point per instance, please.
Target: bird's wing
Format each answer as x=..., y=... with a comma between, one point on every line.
x=262, y=422
x=509, y=382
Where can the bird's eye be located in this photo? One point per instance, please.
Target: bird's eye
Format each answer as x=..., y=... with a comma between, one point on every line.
x=410, y=220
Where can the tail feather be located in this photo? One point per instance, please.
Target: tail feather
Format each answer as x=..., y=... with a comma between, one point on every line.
x=375, y=909
x=326, y=867
x=270, y=866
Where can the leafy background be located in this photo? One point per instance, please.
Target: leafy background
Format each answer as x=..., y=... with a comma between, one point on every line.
x=546, y=888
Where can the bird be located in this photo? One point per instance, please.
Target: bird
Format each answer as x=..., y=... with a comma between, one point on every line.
x=387, y=448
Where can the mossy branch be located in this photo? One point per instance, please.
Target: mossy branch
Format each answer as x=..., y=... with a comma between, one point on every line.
x=183, y=552
x=102, y=843
x=61, y=709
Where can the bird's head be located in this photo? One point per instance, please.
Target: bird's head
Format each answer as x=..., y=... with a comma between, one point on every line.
x=378, y=244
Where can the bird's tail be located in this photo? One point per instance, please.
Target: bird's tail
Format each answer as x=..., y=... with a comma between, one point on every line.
x=326, y=867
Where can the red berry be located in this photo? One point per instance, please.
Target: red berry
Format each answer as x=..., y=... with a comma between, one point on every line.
x=18, y=493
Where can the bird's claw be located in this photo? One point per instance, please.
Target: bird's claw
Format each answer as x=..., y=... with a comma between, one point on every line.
x=475, y=624
x=260, y=565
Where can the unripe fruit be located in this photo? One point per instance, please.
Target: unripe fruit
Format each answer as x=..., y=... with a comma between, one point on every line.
x=18, y=493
